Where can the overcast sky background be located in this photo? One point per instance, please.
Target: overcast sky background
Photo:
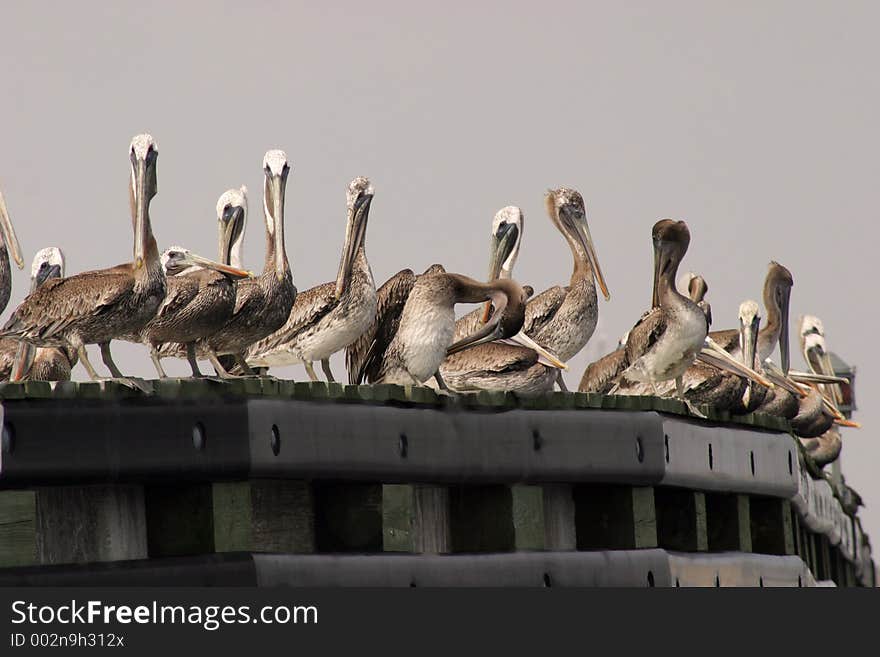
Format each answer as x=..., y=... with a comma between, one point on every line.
x=754, y=122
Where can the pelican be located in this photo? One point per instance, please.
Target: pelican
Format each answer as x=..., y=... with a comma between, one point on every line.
x=329, y=317
x=262, y=304
x=96, y=307
x=518, y=364
x=777, y=295
x=8, y=242
x=364, y=356
x=427, y=324
x=665, y=342
x=562, y=318
x=713, y=379
x=19, y=360
x=812, y=336
x=200, y=297
x=601, y=375
x=825, y=448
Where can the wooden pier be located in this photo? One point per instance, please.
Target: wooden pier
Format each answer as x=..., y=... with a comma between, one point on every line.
x=263, y=482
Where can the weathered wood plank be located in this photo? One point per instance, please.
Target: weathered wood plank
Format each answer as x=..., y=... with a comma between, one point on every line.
x=681, y=519
x=559, y=518
x=17, y=528
x=615, y=517
x=430, y=519
x=728, y=524
x=80, y=524
x=771, y=525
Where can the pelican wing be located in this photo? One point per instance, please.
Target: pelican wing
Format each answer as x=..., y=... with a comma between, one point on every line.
x=645, y=334
x=601, y=374
x=59, y=303
x=491, y=358
x=308, y=309
x=8, y=349
x=727, y=339
x=541, y=309
x=363, y=357
x=180, y=292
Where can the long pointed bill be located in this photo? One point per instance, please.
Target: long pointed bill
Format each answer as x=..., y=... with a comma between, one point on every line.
x=24, y=360
x=196, y=260
x=722, y=360
x=655, y=289
x=545, y=357
x=354, y=235
x=500, y=249
x=776, y=375
x=784, y=352
x=587, y=241
x=139, y=181
x=276, y=188
x=488, y=333
x=812, y=377
x=828, y=369
x=9, y=236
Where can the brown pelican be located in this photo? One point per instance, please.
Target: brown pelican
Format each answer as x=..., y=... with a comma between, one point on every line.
x=262, y=304
x=427, y=324
x=200, y=297
x=824, y=448
x=19, y=360
x=812, y=336
x=695, y=286
x=363, y=357
x=562, y=318
x=713, y=379
x=777, y=294
x=98, y=306
x=518, y=364
x=8, y=242
x=329, y=317
x=665, y=342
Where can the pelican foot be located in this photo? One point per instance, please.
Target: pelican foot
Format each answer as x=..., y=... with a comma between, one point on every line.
x=694, y=410
x=129, y=382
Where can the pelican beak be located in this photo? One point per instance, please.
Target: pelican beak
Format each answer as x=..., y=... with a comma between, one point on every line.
x=828, y=369
x=545, y=357
x=784, y=353
x=659, y=256
x=847, y=423
x=727, y=362
x=193, y=260
x=355, y=230
x=139, y=197
x=812, y=377
x=274, y=192
x=778, y=377
x=24, y=360
x=231, y=229
x=501, y=247
x=583, y=230
x=491, y=331
x=9, y=236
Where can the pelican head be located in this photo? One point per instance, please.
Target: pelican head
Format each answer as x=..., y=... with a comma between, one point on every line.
x=693, y=286
x=48, y=263
x=7, y=234
x=507, y=227
x=178, y=260
x=566, y=209
x=509, y=300
x=777, y=295
x=232, y=219
x=812, y=335
x=143, y=153
x=276, y=169
x=358, y=198
x=671, y=239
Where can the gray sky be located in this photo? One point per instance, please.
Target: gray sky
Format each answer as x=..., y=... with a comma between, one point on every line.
x=754, y=122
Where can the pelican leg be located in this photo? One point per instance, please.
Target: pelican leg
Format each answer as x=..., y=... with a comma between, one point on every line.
x=325, y=365
x=157, y=361
x=679, y=392
x=218, y=366
x=440, y=381
x=191, y=357
x=561, y=382
x=310, y=370
x=107, y=357
x=242, y=364
x=84, y=359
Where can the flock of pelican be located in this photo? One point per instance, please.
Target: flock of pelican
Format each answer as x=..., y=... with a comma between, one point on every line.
x=182, y=305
